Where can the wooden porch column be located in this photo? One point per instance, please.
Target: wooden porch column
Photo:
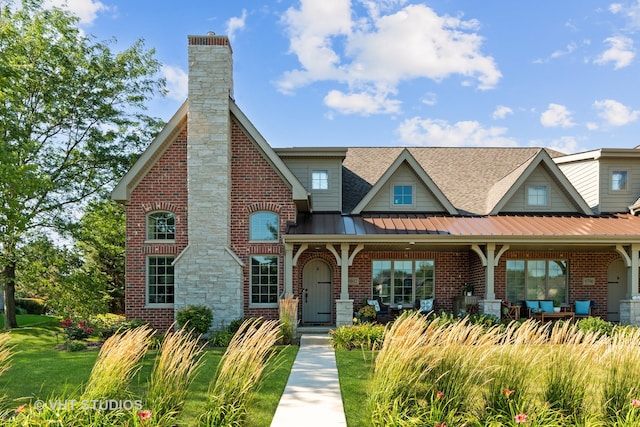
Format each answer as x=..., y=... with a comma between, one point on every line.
x=288, y=269
x=632, y=282
x=489, y=292
x=344, y=271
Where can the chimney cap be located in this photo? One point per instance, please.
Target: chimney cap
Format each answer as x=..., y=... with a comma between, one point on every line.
x=211, y=33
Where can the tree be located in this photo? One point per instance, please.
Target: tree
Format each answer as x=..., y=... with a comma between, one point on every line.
x=101, y=241
x=71, y=118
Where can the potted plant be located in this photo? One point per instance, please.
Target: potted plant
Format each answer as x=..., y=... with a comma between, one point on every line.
x=556, y=306
x=468, y=289
x=367, y=313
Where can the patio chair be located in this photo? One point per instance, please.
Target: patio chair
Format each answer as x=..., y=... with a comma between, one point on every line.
x=582, y=309
x=382, y=309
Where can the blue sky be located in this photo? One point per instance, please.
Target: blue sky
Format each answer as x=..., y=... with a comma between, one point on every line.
x=560, y=74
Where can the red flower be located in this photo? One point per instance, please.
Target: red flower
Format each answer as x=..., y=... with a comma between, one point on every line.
x=508, y=392
x=21, y=408
x=66, y=323
x=439, y=394
x=521, y=418
x=145, y=415
x=635, y=403
x=442, y=424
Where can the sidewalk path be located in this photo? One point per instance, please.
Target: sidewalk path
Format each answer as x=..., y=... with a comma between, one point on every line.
x=312, y=395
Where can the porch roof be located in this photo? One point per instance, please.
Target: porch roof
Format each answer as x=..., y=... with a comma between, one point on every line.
x=614, y=228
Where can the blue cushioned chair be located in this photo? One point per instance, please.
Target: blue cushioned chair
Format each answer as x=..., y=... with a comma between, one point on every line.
x=582, y=309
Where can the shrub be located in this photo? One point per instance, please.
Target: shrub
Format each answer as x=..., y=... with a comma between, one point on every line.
x=366, y=335
x=74, y=346
x=288, y=312
x=221, y=338
x=75, y=331
x=32, y=305
x=595, y=325
x=195, y=318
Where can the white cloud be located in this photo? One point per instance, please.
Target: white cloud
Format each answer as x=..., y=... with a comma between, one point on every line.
x=440, y=133
x=177, y=82
x=591, y=126
x=429, y=99
x=501, y=112
x=565, y=144
x=620, y=52
x=375, y=53
x=86, y=10
x=236, y=23
x=615, y=113
x=556, y=116
x=631, y=12
x=361, y=103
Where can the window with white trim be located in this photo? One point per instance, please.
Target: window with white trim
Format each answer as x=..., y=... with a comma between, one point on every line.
x=161, y=226
x=160, y=279
x=402, y=281
x=263, y=226
x=537, y=280
x=402, y=195
x=619, y=181
x=320, y=180
x=264, y=277
x=537, y=195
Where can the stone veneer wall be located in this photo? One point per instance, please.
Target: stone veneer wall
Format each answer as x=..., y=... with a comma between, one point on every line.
x=207, y=272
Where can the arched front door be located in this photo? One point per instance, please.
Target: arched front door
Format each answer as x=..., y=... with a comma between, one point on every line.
x=616, y=289
x=316, y=293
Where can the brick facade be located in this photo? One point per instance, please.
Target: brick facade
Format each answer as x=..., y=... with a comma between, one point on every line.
x=164, y=188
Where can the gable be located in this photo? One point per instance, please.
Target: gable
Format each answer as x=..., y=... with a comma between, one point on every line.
x=423, y=198
x=558, y=201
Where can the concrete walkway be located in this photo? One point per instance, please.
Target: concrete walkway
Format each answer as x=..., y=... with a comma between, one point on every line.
x=312, y=395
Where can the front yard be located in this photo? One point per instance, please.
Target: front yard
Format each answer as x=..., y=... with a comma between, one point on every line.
x=41, y=372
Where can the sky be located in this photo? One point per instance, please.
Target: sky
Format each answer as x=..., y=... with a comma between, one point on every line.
x=467, y=73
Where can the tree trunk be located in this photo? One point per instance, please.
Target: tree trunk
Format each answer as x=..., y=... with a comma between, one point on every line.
x=9, y=276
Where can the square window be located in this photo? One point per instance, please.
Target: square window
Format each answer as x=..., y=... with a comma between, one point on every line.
x=160, y=277
x=537, y=195
x=263, y=226
x=619, y=181
x=161, y=226
x=402, y=195
x=264, y=273
x=320, y=180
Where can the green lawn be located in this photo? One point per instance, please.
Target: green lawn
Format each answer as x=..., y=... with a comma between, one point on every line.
x=354, y=369
x=39, y=371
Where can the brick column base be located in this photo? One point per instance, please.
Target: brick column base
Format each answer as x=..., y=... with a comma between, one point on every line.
x=490, y=307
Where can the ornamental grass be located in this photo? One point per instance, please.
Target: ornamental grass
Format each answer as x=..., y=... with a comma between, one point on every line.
x=178, y=360
x=460, y=374
x=117, y=363
x=239, y=371
x=288, y=311
x=5, y=352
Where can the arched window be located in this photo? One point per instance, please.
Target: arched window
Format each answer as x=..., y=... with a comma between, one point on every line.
x=263, y=226
x=161, y=226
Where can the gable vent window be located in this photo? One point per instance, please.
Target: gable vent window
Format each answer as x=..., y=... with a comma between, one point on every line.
x=402, y=195
x=619, y=181
x=320, y=180
x=537, y=195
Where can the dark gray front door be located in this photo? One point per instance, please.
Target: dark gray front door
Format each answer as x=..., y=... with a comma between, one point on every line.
x=316, y=293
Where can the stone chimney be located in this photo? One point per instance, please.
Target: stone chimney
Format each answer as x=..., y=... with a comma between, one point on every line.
x=207, y=272
x=208, y=144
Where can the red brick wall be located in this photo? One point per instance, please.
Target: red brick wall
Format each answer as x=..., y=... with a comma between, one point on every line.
x=163, y=188
x=256, y=187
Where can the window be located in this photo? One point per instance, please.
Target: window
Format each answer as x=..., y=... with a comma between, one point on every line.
x=537, y=195
x=320, y=180
x=402, y=281
x=161, y=226
x=537, y=279
x=263, y=226
x=619, y=181
x=402, y=195
x=160, y=280
x=264, y=279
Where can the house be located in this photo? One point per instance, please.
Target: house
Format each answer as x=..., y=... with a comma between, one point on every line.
x=217, y=216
